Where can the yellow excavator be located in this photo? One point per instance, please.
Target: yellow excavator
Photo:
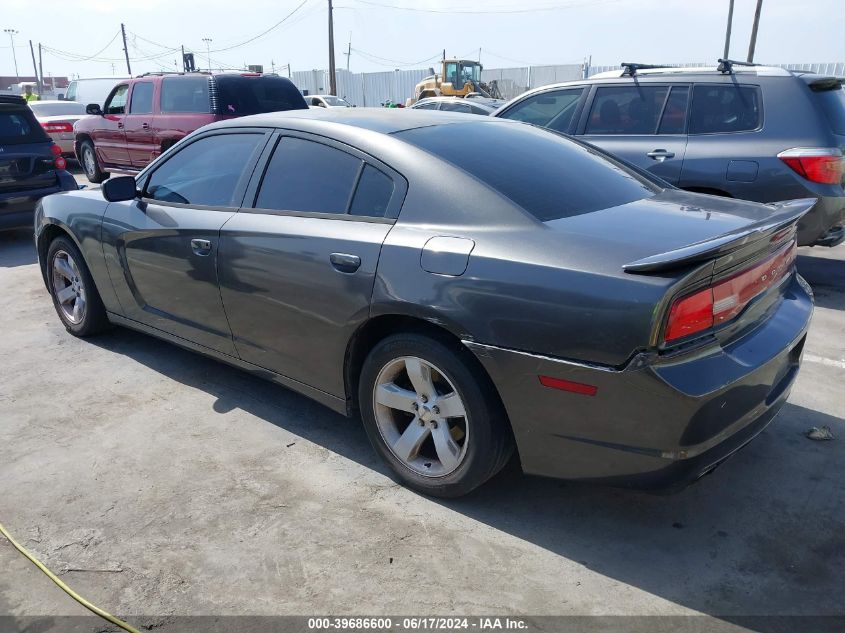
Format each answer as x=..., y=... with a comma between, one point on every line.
x=458, y=78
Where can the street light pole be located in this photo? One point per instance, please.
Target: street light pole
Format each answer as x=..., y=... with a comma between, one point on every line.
x=12, y=33
x=332, y=77
x=208, y=41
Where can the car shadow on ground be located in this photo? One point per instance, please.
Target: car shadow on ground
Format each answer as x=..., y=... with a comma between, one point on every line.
x=826, y=277
x=17, y=248
x=761, y=535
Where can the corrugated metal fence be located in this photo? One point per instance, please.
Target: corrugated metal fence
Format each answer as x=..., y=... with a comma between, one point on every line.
x=373, y=89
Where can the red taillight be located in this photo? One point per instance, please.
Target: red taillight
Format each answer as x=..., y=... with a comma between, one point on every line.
x=55, y=128
x=725, y=300
x=60, y=161
x=818, y=164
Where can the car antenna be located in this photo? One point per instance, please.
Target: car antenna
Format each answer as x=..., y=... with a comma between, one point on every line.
x=726, y=65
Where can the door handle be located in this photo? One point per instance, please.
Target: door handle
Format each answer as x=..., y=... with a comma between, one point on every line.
x=146, y=126
x=120, y=125
x=344, y=262
x=660, y=155
x=201, y=247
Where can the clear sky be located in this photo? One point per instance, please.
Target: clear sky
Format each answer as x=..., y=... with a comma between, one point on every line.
x=389, y=34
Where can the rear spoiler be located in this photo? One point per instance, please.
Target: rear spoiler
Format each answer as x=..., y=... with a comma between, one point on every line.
x=785, y=213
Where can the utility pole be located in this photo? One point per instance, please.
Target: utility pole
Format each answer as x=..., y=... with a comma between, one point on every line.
x=184, y=65
x=348, y=51
x=753, y=44
x=41, y=67
x=12, y=33
x=728, y=30
x=332, y=78
x=35, y=68
x=125, y=49
x=208, y=41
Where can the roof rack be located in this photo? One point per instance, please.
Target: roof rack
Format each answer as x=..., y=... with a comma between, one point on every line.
x=726, y=65
x=629, y=69
x=160, y=73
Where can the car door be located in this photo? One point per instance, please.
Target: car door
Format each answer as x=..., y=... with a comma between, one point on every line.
x=297, y=268
x=643, y=123
x=162, y=248
x=139, y=124
x=109, y=135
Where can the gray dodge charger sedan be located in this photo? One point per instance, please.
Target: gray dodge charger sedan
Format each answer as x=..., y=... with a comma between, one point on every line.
x=470, y=287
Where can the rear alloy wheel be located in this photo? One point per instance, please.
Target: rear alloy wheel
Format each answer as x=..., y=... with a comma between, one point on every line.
x=90, y=165
x=75, y=297
x=441, y=429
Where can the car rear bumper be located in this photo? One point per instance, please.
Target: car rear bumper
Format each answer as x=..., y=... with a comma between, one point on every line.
x=16, y=207
x=657, y=423
x=814, y=228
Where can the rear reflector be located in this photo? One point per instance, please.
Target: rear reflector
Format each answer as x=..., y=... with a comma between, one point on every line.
x=722, y=302
x=568, y=385
x=55, y=128
x=60, y=161
x=817, y=164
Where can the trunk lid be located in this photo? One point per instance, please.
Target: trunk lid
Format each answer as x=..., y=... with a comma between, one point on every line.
x=675, y=229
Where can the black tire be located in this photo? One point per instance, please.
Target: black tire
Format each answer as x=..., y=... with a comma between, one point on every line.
x=489, y=441
x=90, y=164
x=92, y=318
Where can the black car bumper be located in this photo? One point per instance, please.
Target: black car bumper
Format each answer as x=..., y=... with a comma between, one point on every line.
x=819, y=226
x=16, y=207
x=656, y=423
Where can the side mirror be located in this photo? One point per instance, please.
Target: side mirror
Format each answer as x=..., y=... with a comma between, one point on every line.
x=120, y=189
x=93, y=108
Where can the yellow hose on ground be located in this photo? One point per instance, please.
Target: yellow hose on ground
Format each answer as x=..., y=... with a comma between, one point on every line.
x=93, y=608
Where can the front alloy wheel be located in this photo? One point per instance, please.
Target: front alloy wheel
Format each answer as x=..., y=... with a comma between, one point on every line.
x=75, y=296
x=68, y=287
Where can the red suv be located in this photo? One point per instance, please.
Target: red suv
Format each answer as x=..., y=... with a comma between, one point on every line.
x=144, y=116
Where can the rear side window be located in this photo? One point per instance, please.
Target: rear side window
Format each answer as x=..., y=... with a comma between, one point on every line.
x=833, y=104
x=206, y=173
x=142, y=98
x=239, y=95
x=185, y=94
x=18, y=127
x=372, y=196
x=725, y=108
x=431, y=105
x=307, y=176
x=553, y=109
x=632, y=109
x=545, y=173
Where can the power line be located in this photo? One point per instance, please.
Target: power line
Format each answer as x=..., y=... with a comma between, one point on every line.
x=263, y=33
x=85, y=58
x=557, y=7
x=392, y=62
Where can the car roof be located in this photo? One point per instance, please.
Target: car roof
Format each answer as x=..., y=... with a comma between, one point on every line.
x=381, y=120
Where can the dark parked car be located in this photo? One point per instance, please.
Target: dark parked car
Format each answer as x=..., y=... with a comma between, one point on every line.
x=144, y=116
x=753, y=132
x=31, y=165
x=551, y=299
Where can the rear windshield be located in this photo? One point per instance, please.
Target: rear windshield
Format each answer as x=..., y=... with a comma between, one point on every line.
x=57, y=109
x=545, y=173
x=833, y=104
x=18, y=126
x=239, y=95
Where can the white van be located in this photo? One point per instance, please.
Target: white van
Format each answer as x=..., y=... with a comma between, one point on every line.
x=91, y=90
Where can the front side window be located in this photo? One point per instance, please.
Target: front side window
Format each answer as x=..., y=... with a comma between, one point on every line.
x=452, y=75
x=632, y=109
x=725, y=108
x=309, y=177
x=117, y=101
x=205, y=173
x=70, y=95
x=674, y=117
x=185, y=94
x=553, y=109
x=142, y=98
x=455, y=106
